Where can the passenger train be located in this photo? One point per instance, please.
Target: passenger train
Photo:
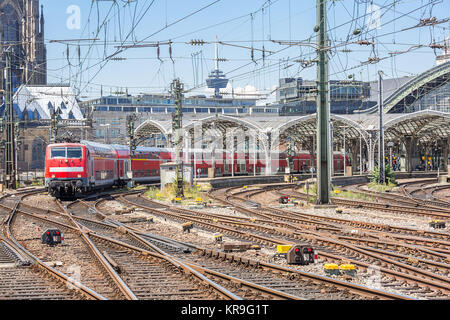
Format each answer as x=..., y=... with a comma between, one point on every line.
x=77, y=168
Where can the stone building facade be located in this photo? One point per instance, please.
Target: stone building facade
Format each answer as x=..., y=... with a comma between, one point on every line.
x=22, y=33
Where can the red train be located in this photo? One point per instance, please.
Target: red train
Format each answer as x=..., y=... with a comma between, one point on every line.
x=76, y=168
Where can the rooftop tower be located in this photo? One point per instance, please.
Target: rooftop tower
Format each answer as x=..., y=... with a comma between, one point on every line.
x=216, y=79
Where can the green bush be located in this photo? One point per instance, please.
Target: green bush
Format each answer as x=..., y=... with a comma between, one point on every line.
x=170, y=191
x=389, y=176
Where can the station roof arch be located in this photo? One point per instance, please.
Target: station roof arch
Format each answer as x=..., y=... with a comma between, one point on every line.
x=152, y=127
x=223, y=123
x=425, y=125
x=300, y=129
x=416, y=88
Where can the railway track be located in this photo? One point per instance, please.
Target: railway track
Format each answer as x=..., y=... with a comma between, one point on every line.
x=255, y=274
x=124, y=247
x=432, y=212
x=423, y=194
x=21, y=280
x=75, y=256
x=25, y=276
x=438, y=241
x=400, y=258
x=135, y=270
x=265, y=238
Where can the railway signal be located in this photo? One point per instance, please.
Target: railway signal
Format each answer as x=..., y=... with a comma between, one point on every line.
x=176, y=89
x=301, y=254
x=52, y=237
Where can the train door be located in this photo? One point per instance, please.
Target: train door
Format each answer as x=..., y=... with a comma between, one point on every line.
x=91, y=167
x=127, y=169
x=225, y=167
x=120, y=168
x=115, y=170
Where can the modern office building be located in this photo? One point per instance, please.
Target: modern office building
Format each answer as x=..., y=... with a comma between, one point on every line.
x=296, y=96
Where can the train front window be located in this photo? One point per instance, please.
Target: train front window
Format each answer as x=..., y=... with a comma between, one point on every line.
x=58, y=153
x=74, y=152
x=69, y=152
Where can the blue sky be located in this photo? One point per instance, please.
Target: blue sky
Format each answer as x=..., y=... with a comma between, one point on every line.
x=236, y=22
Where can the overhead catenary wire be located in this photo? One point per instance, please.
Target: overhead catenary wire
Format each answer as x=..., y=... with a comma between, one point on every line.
x=309, y=54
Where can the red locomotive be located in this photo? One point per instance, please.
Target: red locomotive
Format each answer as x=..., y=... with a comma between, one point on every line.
x=77, y=168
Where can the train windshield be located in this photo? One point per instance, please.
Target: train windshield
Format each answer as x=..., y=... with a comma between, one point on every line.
x=70, y=152
x=74, y=152
x=58, y=153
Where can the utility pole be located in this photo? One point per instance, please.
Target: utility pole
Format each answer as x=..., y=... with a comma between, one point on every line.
x=131, y=142
x=18, y=144
x=176, y=88
x=10, y=179
x=54, y=127
x=381, y=140
x=323, y=136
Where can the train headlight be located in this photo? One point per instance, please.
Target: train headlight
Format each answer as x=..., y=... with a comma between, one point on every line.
x=79, y=175
x=53, y=175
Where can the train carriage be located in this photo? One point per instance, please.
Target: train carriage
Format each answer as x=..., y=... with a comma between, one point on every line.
x=76, y=168
x=146, y=162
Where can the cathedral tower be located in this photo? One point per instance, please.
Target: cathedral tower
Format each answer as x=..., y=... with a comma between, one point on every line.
x=22, y=32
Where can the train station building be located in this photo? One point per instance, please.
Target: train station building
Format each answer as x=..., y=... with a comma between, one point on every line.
x=416, y=124
x=416, y=128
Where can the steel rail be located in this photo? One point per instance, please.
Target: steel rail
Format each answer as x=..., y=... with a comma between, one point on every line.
x=166, y=257
x=51, y=271
x=128, y=294
x=275, y=241
x=348, y=286
x=178, y=264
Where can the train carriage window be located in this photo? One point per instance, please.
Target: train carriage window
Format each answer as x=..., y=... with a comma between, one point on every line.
x=74, y=152
x=58, y=153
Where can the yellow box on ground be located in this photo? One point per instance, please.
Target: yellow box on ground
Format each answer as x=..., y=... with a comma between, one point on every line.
x=283, y=248
x=347, y=267
x=331, y=266
x=198, y=199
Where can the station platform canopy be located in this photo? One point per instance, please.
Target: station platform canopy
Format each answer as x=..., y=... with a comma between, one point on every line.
x=425, y=125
